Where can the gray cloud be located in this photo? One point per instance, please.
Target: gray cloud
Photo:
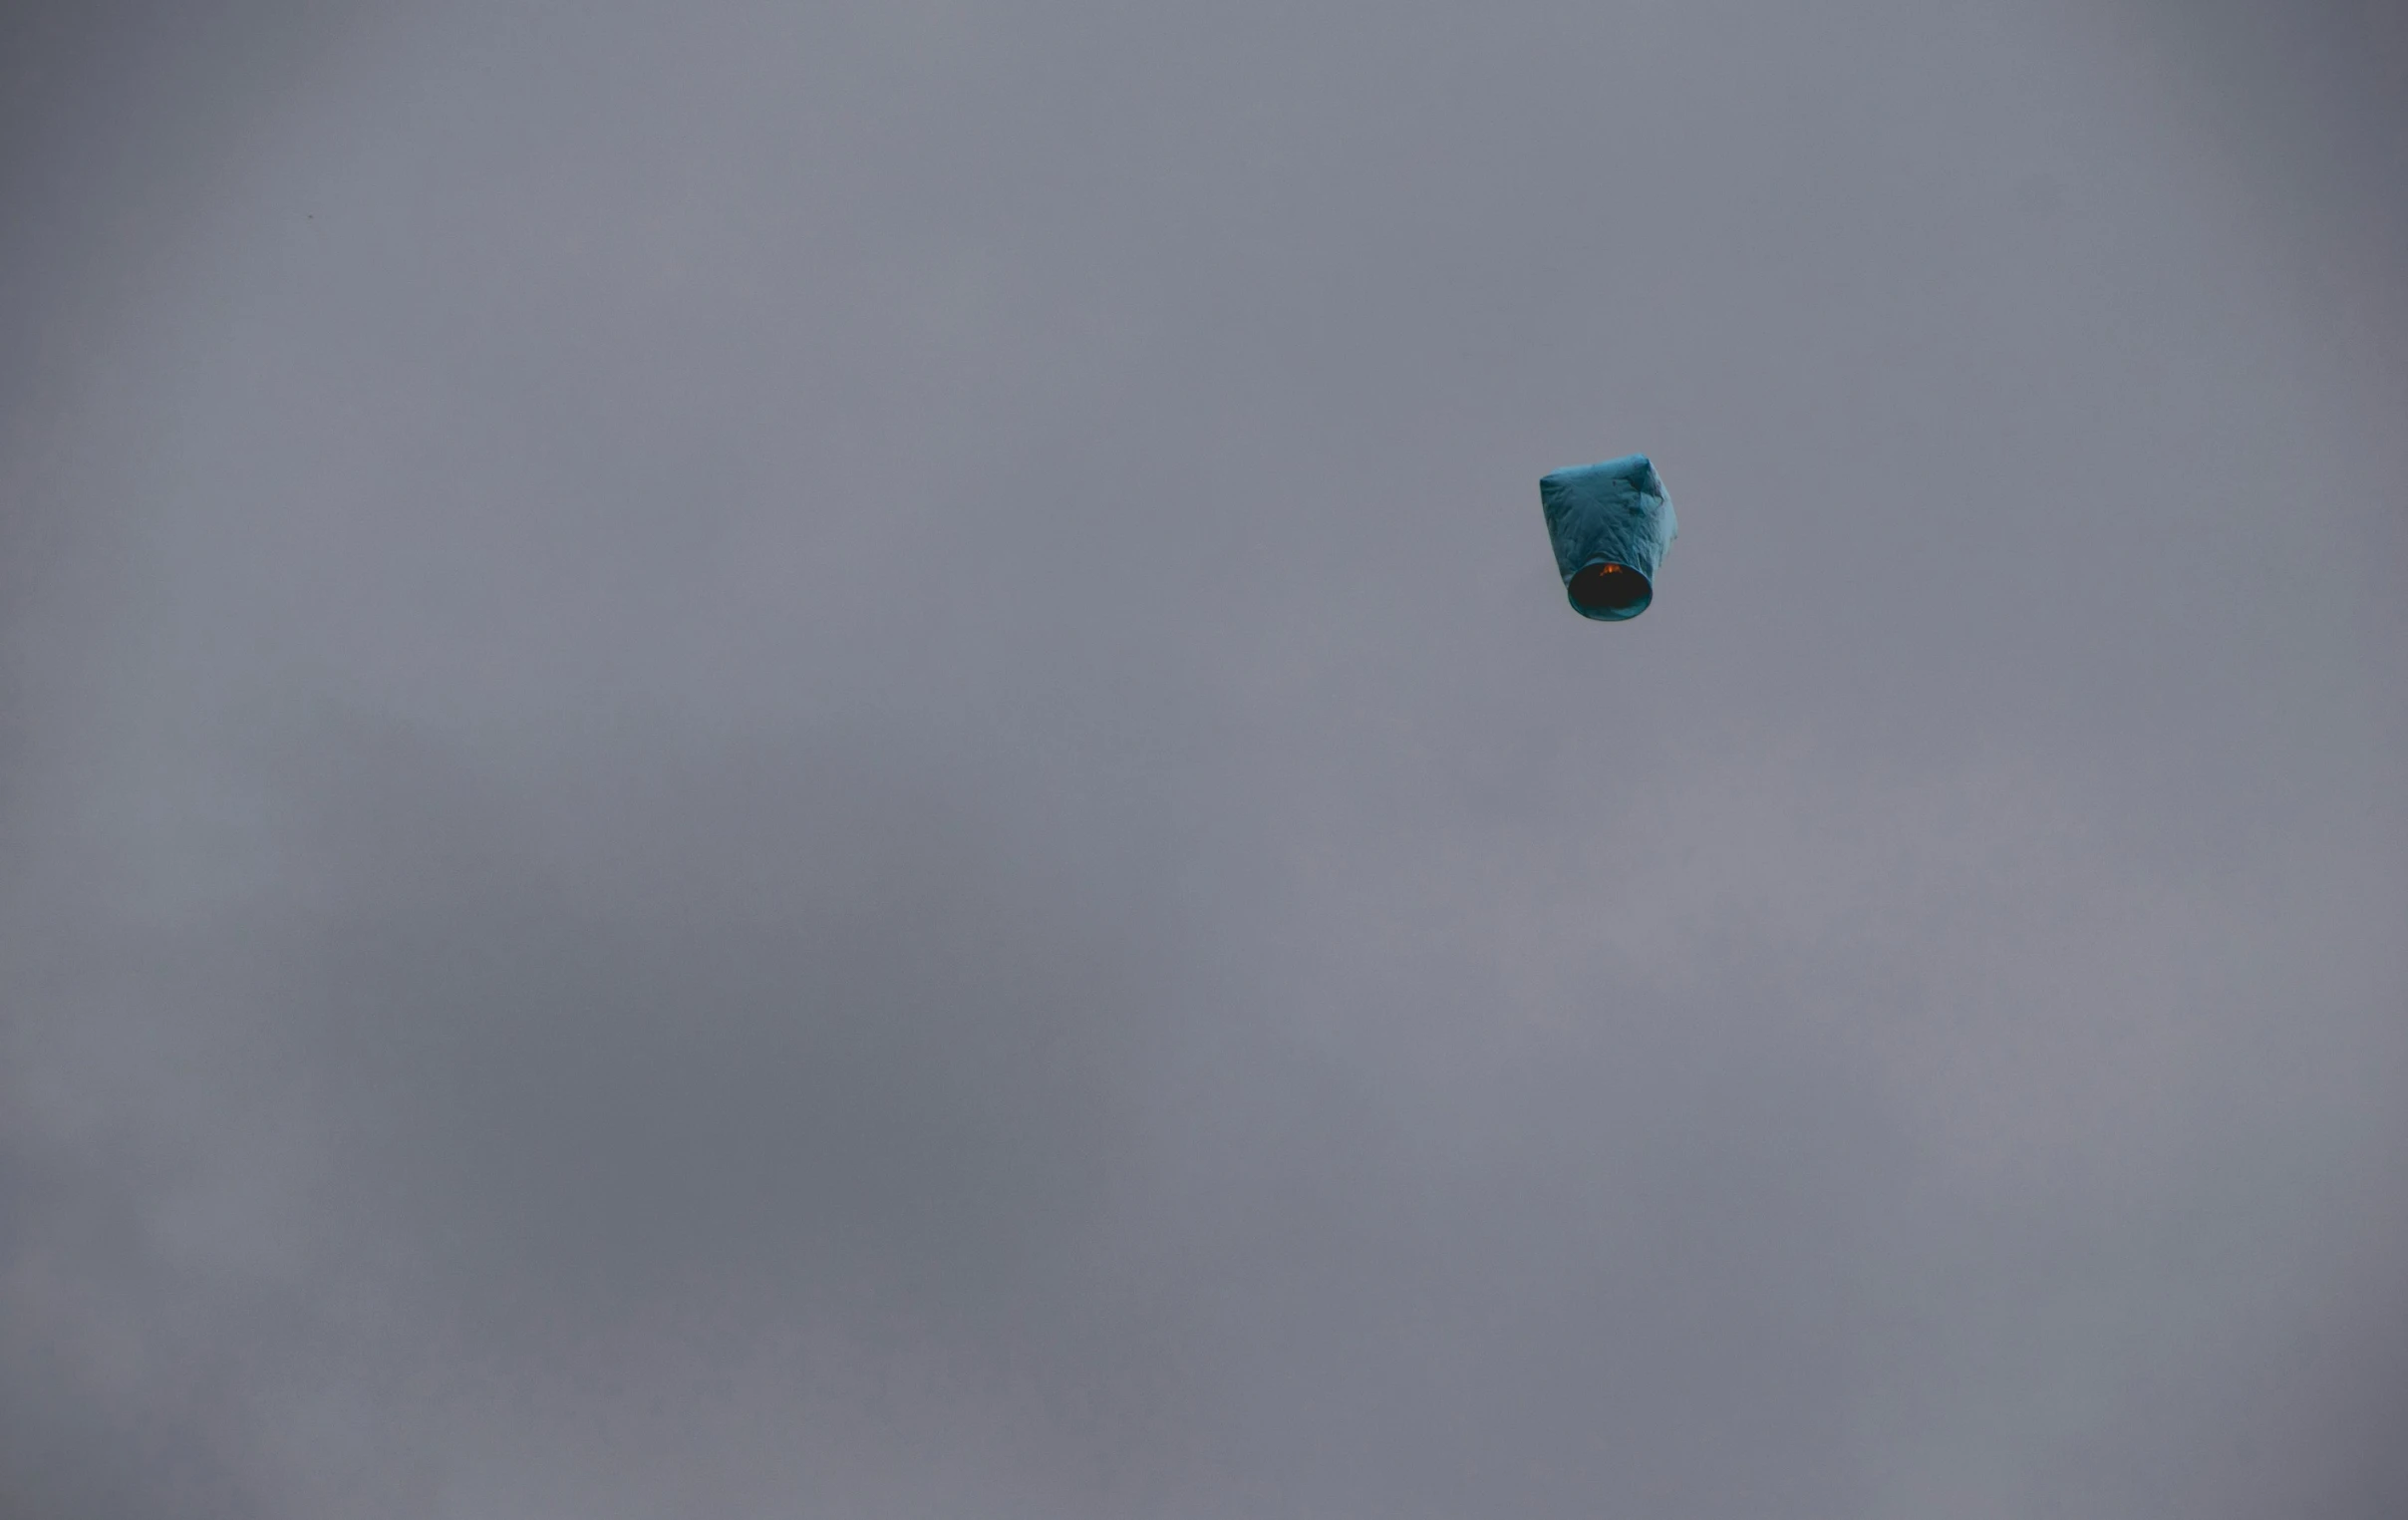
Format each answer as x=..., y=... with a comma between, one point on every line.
x=775, y=761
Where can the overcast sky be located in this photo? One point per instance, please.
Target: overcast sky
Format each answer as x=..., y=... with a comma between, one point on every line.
x=822, y=760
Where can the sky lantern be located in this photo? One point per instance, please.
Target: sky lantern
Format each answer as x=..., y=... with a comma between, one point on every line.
x=1610, y=524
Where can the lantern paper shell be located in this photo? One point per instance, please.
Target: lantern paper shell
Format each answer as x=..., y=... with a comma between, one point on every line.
x=1610, y=524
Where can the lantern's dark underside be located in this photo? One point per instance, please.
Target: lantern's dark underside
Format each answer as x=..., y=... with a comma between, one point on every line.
x=1610, y=524
x=1605, y=589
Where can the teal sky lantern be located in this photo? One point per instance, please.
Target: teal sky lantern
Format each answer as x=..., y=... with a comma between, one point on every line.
x=1610, y=524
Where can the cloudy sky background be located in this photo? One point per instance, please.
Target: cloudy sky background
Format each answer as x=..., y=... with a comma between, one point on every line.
x=821, y=760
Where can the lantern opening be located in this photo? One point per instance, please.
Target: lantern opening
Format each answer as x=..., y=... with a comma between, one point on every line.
x=1610, y=588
